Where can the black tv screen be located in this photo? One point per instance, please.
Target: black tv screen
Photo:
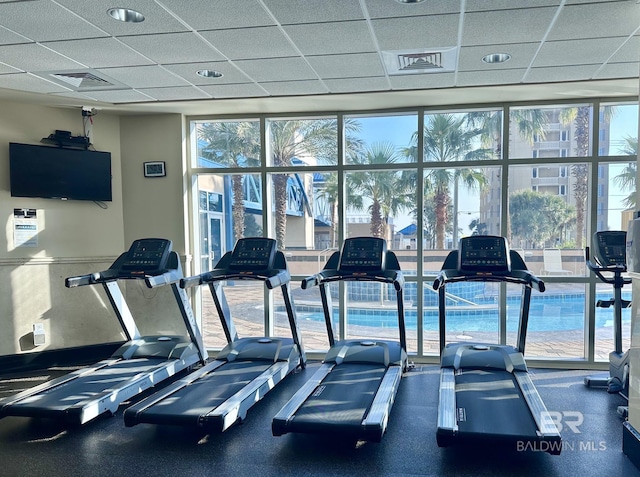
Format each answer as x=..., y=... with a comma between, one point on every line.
x=59, y=173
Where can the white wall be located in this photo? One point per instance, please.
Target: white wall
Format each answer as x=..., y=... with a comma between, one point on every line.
x=74, y=237
x=154, y=207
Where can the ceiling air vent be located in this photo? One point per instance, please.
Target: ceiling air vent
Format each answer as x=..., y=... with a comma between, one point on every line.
x=405, y=62
x=82, y=80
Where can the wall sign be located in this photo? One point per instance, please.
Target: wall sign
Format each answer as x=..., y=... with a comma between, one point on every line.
x=25, y=228
x=154, y=169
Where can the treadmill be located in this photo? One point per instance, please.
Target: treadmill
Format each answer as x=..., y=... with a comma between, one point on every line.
x=486, y=393
x=220, y=393
x=139, y=364
x=353, y=391
x=609, y=263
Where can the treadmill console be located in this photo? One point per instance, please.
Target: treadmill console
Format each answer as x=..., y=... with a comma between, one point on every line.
x=363, y=254
x=610, y=247
x=147, y=256
x=252, y=254
x=483, y=254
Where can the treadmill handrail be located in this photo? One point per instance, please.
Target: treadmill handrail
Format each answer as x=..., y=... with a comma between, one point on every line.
x=394, y=277
x=521, y=277
x=272, y=278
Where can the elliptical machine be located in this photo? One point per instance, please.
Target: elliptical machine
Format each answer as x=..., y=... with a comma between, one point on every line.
x=609, y=263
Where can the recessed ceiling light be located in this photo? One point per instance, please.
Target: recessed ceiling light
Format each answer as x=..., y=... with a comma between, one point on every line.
x=496, y=58
x=409, y=1
x=126, y=15
x=209, y=74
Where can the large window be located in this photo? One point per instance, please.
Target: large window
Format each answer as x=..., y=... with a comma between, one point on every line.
x=421, y=179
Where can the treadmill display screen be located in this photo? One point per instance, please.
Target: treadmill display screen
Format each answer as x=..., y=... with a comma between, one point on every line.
x=483, y=254
x=255, y=253
x=363, y=253
x=610, y=247
x=148, y=255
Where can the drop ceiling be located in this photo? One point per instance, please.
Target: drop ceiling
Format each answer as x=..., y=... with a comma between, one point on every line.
x=302, y=55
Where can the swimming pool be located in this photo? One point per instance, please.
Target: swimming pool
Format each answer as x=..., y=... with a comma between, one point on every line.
x=546, y=313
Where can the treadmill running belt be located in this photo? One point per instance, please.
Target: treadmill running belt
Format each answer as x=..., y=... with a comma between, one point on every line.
x=83, y=388
x=202, y=396
x=341, y=400
x=490, y=403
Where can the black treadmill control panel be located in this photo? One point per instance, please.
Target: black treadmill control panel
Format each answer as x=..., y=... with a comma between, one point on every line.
x=483, y=253
x=610, y=247
x=363, y=253
x=147, y=255
x=252, y=254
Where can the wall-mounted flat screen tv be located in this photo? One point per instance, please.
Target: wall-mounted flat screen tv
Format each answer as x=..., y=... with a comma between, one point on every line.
x=59, y=173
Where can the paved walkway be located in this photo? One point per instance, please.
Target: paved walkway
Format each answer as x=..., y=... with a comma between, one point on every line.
x=247, y=307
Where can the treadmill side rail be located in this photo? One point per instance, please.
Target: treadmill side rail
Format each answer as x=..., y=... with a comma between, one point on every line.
x=280, y=423
x=546, y=425
x=235, y=408
x=375, y=424
x=447, y=420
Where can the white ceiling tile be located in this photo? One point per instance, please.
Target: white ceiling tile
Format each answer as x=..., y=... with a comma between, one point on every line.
x=34, y=57
x=484, y=5
x=314, y=12
x=424, y=81
x=43, y=20
x=355, y=85
x=416, y=32
x=4, y=69
x=277, y=69
x=230, y=73
x=596, y=20
x=179, y=93
x=389, y=9
x=628, y=52
x=172, y=47
x=251, y=43
x=470, y=57
x=575, y=52
x=156, y=18
x=28, y=82
x=144, y=76
x=120, y=96
x=8, y=37
x=292, y=88
x=347, y=66
x=560, y=73
x=331, y=38
x=208, y=15
x=99, y=52
x=506, y=26
x=248, y=90
x=503, y=76
x=618, y=70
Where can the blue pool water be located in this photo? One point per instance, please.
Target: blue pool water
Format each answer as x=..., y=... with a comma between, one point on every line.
x=549, y=313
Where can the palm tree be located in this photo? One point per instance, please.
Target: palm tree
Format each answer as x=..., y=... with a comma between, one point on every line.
x=448, y=138
x=330, y=193
x=383, y=188
x=295, y=138
x=626, y=180
x=580, y=117
x=232, y=144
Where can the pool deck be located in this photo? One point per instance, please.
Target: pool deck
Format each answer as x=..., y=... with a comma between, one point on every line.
x=247, y=304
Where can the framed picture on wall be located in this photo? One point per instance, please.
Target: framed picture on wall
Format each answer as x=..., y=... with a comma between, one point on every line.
x=154, y=169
